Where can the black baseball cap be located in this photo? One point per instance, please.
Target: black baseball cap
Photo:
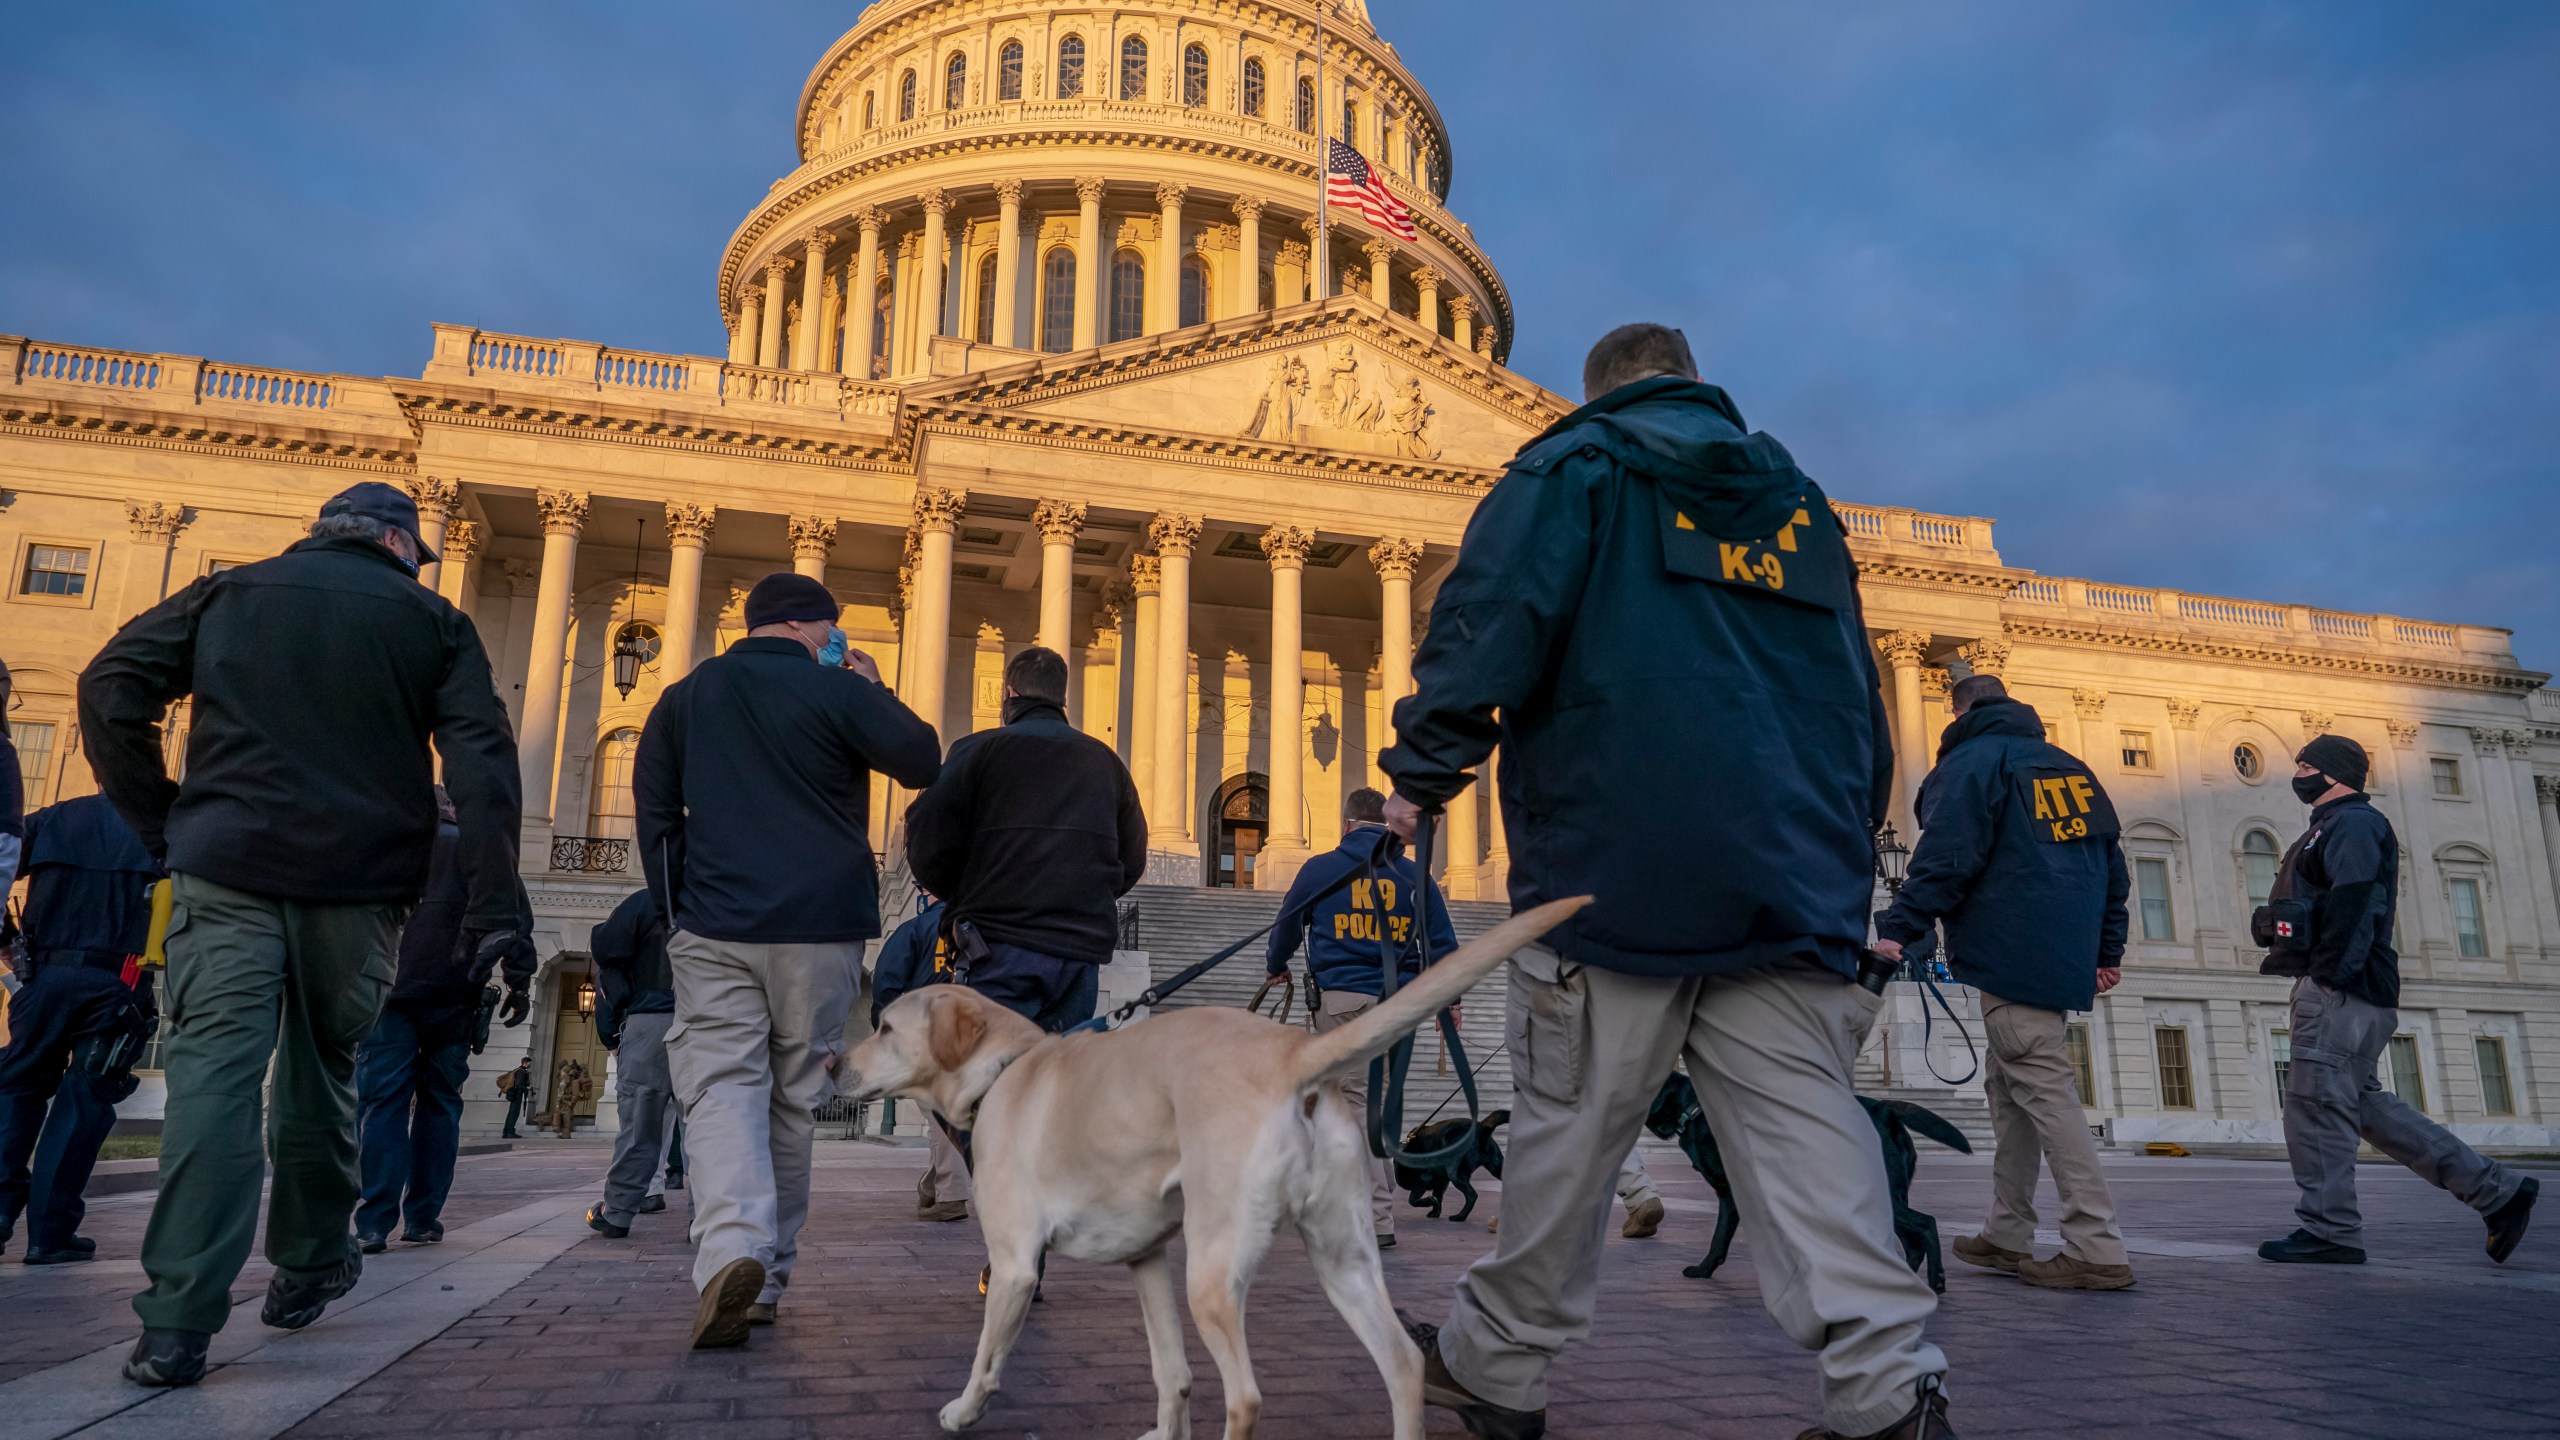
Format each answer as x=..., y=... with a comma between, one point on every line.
x=387, y=503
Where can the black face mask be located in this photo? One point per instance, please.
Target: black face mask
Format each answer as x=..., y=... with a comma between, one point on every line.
x=2309, y=788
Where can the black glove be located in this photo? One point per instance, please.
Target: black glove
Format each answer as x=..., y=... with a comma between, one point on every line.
x=513, y=1009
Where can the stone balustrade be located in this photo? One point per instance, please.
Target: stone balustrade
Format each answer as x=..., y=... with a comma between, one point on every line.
x=2101, y=603
x=1896, y=527
x=187, y=379
x=688, y=380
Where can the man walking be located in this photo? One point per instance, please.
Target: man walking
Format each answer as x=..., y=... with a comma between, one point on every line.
x=2018, y=854
x=2328, y=924
x=79, y=1021
x=753, y=781
x=639, y=996
x=1341, y=934
x=295, y=846
x=1656, y=616
x=1031, y=837
x=410, y=1073
x=517, y=1086
x=916, y=954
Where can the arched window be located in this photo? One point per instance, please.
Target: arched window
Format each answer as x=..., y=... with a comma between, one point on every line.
x=907, y=96
x=1350, y=120
x=1306, y=106
x=2258, y=856
x=1009, y=71
x=1254, y=85
x=1133, y=68
x=1071, y=67
x=1195, y=291
x=955, y=82
x=883, y=316
x=1195, y=75
x=987, y=301
x=1058, y=301
x=870, y=110
x=1128, y=295
x=609, y=806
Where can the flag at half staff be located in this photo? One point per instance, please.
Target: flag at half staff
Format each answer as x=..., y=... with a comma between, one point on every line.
x=1353, y=185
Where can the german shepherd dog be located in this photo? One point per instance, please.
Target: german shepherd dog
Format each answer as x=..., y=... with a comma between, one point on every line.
x=1427, y=1189
x=1677, y=1114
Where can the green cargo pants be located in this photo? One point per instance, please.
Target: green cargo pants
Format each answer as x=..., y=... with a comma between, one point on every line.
x=252, y=979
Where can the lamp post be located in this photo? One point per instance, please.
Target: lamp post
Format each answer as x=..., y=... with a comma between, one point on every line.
x=1893, y=860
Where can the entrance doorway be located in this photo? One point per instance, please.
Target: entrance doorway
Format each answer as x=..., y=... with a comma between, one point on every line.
x=573, y=1037
x=1243, y=822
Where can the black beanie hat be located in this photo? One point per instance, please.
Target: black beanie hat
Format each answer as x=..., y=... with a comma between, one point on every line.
x=789, y=595
x=2337, y=757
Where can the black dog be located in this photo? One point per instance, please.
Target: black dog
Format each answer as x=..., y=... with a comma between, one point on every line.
x=1676, y=1113
x=1430, y=1187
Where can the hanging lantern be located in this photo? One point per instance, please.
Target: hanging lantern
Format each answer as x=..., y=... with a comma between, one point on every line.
x=633, y=648
x=1893, y=859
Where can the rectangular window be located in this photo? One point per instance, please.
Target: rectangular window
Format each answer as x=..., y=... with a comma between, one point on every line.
x=2407, y=1080
x=2497, y=1095
x=2137, y=749
x=2470, y=931
x=2280, y=1051
x=34, y=739
x=2151, y=884
x=55, y=570
x=2448, y=774
x=2177, y=1081
x=2075, y=1048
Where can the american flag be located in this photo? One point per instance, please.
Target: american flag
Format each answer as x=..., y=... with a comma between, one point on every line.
x=1351, y=184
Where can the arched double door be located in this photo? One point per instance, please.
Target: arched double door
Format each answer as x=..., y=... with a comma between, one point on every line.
x=1240, y=823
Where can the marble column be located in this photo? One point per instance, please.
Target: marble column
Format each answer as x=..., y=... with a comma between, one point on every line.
x=1164, y=289
x=813, y=290
x=564, y=514
x=1289, y=275
x=862, y=319
x=813, y=539
x=1006, y=326
x=1463, y=845
x=2089, y=713
x=1287, y=547
x=1248, y=277
x=742, y=329
x=1903, y=652
x=1382, y=255
x=2546, y=792
x=1058, y=523
x=1146, y=608
x=1462, y=321
x=938, y=514
x=439, y=500
x=1169, y=810
x=688, y=536
x=906, y=351
x=936, y=254
x=155, y=525
x=1089, y=261
x=1426, y=284
x=1317, y=235
x=453, y=579
x=1495, y=881
x=1396, y=560
x=769, y=336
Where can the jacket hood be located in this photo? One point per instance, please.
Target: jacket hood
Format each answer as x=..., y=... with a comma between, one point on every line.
x=1019, y=708
x=87, y=834
x=1993, y=717
x=1688, y=437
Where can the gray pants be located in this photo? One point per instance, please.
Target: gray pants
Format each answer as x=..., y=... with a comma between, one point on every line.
x=755, y=1027
x=2332, y=1097
x=1338, y=1009
x=2036, y=1120
x=1771, y=1052
x=644, y=1089
x=1635, y=1184
x=946, y=1175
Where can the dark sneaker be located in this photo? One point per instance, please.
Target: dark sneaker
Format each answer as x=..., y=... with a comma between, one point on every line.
x=2070, y=1272
x=763, y=1313
x=1927, y=1420
x=1643, y=1219
x=1482, y=1418
x=2506, y=1223
x=81, y=1243
x=653, y=1204
x=431, y=1233
x=720, y=1318
x=606, y=1228
x=166, y=1358
x=1974, y=1250
x=675, y=1179
x=292, y=1304
x=372, y=1242
x=1386, y=1241
x=2304, y=1248
x=59, y=1255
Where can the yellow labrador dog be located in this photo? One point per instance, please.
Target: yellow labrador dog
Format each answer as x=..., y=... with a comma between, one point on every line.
x=1212, y=1123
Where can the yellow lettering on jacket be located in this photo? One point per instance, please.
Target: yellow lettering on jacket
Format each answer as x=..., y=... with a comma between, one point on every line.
x=1737, y=561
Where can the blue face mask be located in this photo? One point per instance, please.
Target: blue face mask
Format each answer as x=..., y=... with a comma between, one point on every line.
x=831, y=654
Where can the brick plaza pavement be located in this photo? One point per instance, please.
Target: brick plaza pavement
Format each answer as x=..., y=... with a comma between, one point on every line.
x=535, y=1330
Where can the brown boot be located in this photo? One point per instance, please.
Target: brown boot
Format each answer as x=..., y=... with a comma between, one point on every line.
x=945, y=1212
x=2070, y=1272
x=1927, y=1420
x=1643, y=1219
x=720, y=1318
x=1974, y=1250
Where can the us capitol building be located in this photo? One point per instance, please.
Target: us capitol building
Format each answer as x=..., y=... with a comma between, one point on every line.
x=1039, y=344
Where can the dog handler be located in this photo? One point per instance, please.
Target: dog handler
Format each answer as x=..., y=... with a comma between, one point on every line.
x=2019, y=855
x=753, y=788
x=639, y=1007
x=1656, y=617
x=295, y=846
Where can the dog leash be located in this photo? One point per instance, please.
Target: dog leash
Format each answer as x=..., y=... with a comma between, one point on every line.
x=1927, y=1029
x=1387, y=1072
x=1452, y=1095
x=1288, y=984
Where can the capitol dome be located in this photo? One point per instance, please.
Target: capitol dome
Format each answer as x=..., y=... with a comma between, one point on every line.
x=1061, y=177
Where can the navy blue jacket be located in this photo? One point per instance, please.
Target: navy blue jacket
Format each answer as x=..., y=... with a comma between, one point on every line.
x=1341, y=931
x=753, y=787
x=88, y=880
x=632, y=974
x=912, y=956
x=1656, y=617
x=2348, y=866
x=2019, y=854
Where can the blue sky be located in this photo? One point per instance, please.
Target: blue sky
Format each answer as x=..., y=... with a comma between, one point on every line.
x=2257, y=299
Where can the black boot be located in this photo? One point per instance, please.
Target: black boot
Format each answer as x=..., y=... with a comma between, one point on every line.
x=1927, y=1420
x=166, y=1358
x=292, y=1304
x=1482, y=1418
x=2304, y=1248
x=2506, y=1223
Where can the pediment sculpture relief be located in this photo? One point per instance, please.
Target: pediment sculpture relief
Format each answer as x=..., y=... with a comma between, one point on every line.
x=1343, y=412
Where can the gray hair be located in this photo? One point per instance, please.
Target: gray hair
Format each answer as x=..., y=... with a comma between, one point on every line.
x=350, y=527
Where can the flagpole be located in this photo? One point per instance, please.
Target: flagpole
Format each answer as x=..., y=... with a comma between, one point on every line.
x=1322, y=260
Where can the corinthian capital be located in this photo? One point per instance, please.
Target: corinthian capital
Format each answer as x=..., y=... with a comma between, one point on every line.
x=1987, y=656
x=2091, y=703
x=2404, y=733
x=1250, y=207
x=437, y=496
x=2546, y=788
x=813, y=537
x=1169, y=195
x=940, y=509
x=1146, y=575
x=1287, y=546
x=1462, y=308
x=155, y=522
x=461, y=542
x=1426, y=279
x=1058, y=521
x=776, y=266
x=2185, y=713
x=1485, y=338
x=564, y=512
x=1089, y=189
x=935, y=201
x=1379, y=251
x=1173, y=534
x=1396, y=558
x=869, y=219
x=1903, y=647
x=817, y=242
x=1293, y=254
x=1009, y=192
